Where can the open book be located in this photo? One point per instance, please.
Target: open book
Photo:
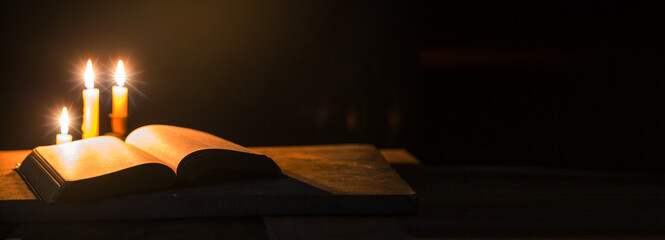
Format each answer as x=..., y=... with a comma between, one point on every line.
x=152, y=157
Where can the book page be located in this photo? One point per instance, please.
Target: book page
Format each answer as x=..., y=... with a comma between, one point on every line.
x=93, y=157
x=172, y=144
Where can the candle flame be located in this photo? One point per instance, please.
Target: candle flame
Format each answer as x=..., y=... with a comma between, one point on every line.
x=89, y=76
x=120, y=74
x=64, y=122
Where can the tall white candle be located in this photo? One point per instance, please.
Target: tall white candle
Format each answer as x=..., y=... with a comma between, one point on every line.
x=90, y=126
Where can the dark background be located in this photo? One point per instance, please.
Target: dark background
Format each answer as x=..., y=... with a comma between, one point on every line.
x=570, y=85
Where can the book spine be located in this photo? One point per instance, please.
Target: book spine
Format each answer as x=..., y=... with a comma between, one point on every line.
x=43, y=183
x=51, y=171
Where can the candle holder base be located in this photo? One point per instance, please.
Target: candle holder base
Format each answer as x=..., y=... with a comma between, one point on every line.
x=118, y=126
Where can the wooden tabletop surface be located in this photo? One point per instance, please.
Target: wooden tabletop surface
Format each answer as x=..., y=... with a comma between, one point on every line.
x=454, y=203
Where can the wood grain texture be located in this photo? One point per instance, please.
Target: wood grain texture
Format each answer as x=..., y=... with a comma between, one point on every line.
x=339, y=169
x=398, y=156
x=13, y=188
x=333, y=179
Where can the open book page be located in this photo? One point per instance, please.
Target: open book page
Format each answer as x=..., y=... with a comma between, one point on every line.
x=172, y=144
x=93, y=157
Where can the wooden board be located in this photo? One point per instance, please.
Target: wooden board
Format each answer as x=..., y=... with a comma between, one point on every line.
x=330, y=179
x=399, y=156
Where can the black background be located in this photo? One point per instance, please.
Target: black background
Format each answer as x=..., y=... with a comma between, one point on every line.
x=571, y=85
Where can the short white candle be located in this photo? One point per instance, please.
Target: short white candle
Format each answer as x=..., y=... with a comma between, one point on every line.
x=64, y=136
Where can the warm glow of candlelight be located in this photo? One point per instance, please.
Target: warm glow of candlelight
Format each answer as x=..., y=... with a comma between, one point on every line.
x=89, y=76
x=64, y=122
x=120, y=74
x=63, y=137
x=90, y=125
x=119, y=114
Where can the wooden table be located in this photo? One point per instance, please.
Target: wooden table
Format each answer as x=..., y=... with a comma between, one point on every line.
x=351, y=179
x=454, y=203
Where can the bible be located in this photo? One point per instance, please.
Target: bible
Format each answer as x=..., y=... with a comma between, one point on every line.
x=152, y=157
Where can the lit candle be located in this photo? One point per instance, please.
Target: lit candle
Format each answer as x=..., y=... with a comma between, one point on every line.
x=90, y=126
x=63, y=137
x=119, y=114
x=120, y=92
